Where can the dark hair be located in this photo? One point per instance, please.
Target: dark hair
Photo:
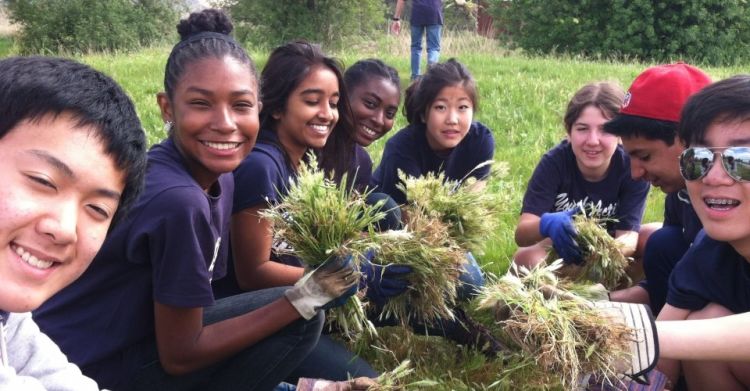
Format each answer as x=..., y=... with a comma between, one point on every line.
x=627, y=126
x=363, y=70
x=423, y=91
x=605, y=96
x=203, y=34
x=34, y=87
x=286, y=68
x=725, y=101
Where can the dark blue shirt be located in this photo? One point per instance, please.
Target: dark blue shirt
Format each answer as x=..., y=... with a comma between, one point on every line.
x=362, y=166
x=173, y=242
x=678, y=211
x=426, y=12
x=409, y=152
x=710, y=272
x=557, y=184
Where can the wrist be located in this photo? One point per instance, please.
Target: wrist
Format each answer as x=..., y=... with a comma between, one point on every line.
x=396, y=19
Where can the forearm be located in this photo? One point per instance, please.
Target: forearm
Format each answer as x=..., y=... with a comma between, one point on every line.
x=718, y=339
x=399, y=9
x=527, y=231
x=268, y=274
x=185, y=346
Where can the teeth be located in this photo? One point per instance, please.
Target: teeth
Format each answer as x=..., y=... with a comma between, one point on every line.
x=32, y=260
x=721, y=201
x=320, y=128
x=221, y=146
x=369, y=131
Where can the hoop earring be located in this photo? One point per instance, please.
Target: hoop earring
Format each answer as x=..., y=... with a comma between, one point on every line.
x=168, y=125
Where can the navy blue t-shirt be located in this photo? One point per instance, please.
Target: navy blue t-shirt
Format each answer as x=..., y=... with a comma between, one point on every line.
x=168, y=249
x=710, y=272
x=362, y=166
x=426, y=12
x=557, y=184
x=409, y=152
x=678, y=211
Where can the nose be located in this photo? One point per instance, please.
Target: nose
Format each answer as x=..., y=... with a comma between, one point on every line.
x=452, y=117
x=636, y=169
x=379, y=118
x=593, y=137
x=326, y=112
x=223, y=120
x=717, y=175
x=60, y=224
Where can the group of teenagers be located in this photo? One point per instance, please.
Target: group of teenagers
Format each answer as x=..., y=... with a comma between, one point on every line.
x=133, y=270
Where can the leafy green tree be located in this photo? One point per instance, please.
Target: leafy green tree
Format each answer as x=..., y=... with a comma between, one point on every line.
x=702, y=31
x=75, y=26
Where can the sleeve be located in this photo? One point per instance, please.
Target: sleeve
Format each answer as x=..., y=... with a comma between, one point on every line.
x=686, y=280
x=386, y=178
x=485, y=150
x=180, y=244
x=543, y=186
x=257, y=180
x=36, y=363
x=632, y=203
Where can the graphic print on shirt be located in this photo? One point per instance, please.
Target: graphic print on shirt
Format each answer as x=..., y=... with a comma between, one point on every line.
x=592, y=209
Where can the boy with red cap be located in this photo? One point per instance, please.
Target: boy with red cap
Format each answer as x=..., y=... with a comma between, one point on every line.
x=647, y=124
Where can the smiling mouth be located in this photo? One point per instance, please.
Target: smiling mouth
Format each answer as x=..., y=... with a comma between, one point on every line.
x=369, y=132
x=31, y=259
x=721, y=204
x=220, y=146
x=322, y=129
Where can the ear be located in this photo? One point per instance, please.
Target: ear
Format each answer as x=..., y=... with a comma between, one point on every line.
x=165, y=106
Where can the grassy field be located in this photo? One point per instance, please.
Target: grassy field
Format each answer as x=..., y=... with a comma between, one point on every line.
x=522, y=100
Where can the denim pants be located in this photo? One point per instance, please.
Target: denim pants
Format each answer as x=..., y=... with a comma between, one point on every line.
x=433, y=33
x=259, y=367
x=665, y=247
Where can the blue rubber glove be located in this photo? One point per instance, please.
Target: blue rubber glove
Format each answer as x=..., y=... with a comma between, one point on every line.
x=341, y=300
x=383, y=282
x=559, y=227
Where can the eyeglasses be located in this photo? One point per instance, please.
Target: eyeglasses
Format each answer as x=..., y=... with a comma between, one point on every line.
x=695, y=162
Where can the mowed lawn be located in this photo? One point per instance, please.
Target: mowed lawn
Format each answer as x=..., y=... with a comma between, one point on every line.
x=522, y=100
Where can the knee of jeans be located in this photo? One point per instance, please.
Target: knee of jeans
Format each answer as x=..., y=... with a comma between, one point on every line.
x=472, y=279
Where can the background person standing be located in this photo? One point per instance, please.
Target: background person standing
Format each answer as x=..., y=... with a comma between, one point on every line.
x=426, y=19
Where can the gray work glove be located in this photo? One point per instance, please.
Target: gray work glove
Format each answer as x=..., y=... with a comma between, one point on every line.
x=329, y=281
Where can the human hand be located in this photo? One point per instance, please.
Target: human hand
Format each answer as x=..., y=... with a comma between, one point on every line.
x=644, y=346
x=329, y=281
x=383, y=281
x=395, y=27
x=558, y=226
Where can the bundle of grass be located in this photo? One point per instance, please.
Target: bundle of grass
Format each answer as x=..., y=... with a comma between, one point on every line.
x=323, y=221
x=565, y=334
x=472, y=215
x=603, y=259
x=436, y=262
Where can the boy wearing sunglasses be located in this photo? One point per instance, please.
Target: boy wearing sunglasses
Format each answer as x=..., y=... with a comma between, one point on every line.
x=713, y=278
x=647, y=125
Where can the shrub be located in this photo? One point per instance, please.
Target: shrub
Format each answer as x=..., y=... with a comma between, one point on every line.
x=701, y=31
x=331, y=22
x=76, y=26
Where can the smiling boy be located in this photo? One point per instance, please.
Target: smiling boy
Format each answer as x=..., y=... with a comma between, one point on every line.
x=73, y=157
x=713, y=278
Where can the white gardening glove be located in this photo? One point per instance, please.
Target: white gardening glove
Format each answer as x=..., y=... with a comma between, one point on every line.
x=644, y=347
x=324, y=284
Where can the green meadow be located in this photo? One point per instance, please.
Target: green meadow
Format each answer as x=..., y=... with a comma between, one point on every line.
x=522, y=99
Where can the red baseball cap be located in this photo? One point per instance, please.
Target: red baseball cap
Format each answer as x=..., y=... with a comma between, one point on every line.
x=661, y=91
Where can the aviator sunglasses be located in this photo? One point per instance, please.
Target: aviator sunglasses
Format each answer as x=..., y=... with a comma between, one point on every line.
x=695, y=162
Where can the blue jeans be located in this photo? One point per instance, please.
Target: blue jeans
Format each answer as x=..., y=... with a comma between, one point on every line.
x=433, y=32
x=261, y=366
x=665, y=247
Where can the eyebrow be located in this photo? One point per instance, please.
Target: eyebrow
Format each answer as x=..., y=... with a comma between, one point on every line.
x=204, y=91
x=65, y=170
x=316, y=91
